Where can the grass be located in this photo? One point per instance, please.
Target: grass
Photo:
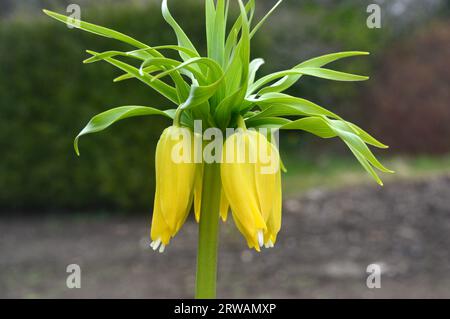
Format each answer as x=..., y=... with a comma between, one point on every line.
x=333, y=172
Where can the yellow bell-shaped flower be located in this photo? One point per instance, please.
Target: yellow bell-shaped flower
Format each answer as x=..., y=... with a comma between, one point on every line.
x=175, y=176
x=251, y=180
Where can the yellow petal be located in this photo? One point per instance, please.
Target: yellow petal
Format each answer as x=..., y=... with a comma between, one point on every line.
x=159, y=229
x=251, y=239
x=238, y=180
x=174, y=185
x=174, y=180
x=274, y=220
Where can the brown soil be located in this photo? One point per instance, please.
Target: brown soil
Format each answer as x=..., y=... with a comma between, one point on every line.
x=327, y=241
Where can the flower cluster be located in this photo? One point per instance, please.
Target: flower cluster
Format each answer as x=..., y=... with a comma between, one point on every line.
x=250, y=186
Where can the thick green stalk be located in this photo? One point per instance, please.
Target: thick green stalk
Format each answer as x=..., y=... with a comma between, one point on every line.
x=208, y=233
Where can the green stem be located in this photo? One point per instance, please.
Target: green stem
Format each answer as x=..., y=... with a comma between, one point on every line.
x=208, y=233
x=241, y=123
x=177, y=119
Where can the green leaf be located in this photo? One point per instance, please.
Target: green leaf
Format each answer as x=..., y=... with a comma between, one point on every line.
x=171, y=67
x=200, y=94
x=231, y=41
x=357, y=143
x=141, y=54
x=230, y=45
x=365, y=164
x=145, y=55
x=98, y=30
x=188, y=52
x=286, y=82
x=147, y=70
x=104, y=120
x=314, y=125
x=263, y=20
x=216, y=71
x=316, y=72
x=366, y=137
x=210, y=16
x=326, y=128
x=254, y=67
x=237, y=74
x=323, y=60
x=225, y=110
x=108, y=54
x=163, y=88
x=331, y=74
x=183, y=39
x=244, y=45
x=215, y=30
x=278, y=104
x=268, y=122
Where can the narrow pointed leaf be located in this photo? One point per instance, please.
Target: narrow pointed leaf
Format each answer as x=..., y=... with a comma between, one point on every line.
x=98, y=30
x=366, y=137
x=357, y=143
x=314, y=125
x=365, y=164
x=316, y=72
x=104, y=120
x=263, y=20
x=216, y=71
x=163, y=88
x=286, y=82
x=147, y=70
x=183, y=39
x=200, y=94
x=331, y=74
x=254, y=67
x=278, y=104
x=231, y=41
x=268, y=122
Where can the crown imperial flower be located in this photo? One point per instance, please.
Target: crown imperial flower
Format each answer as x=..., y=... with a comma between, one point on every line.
x=175, y=177
x=251, y=180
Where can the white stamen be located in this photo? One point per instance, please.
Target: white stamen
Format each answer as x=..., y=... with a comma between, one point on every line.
x=267, y=245
x=155, y=244
x=261, y=238
x=161, y=248
x=270, y=244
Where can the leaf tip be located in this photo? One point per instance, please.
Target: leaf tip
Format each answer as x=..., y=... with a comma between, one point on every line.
x=75, y=146
x=49, y=13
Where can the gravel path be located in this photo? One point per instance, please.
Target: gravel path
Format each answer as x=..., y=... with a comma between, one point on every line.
x=327, y=241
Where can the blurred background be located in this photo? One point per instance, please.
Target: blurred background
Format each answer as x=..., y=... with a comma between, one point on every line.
x=95, y=210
